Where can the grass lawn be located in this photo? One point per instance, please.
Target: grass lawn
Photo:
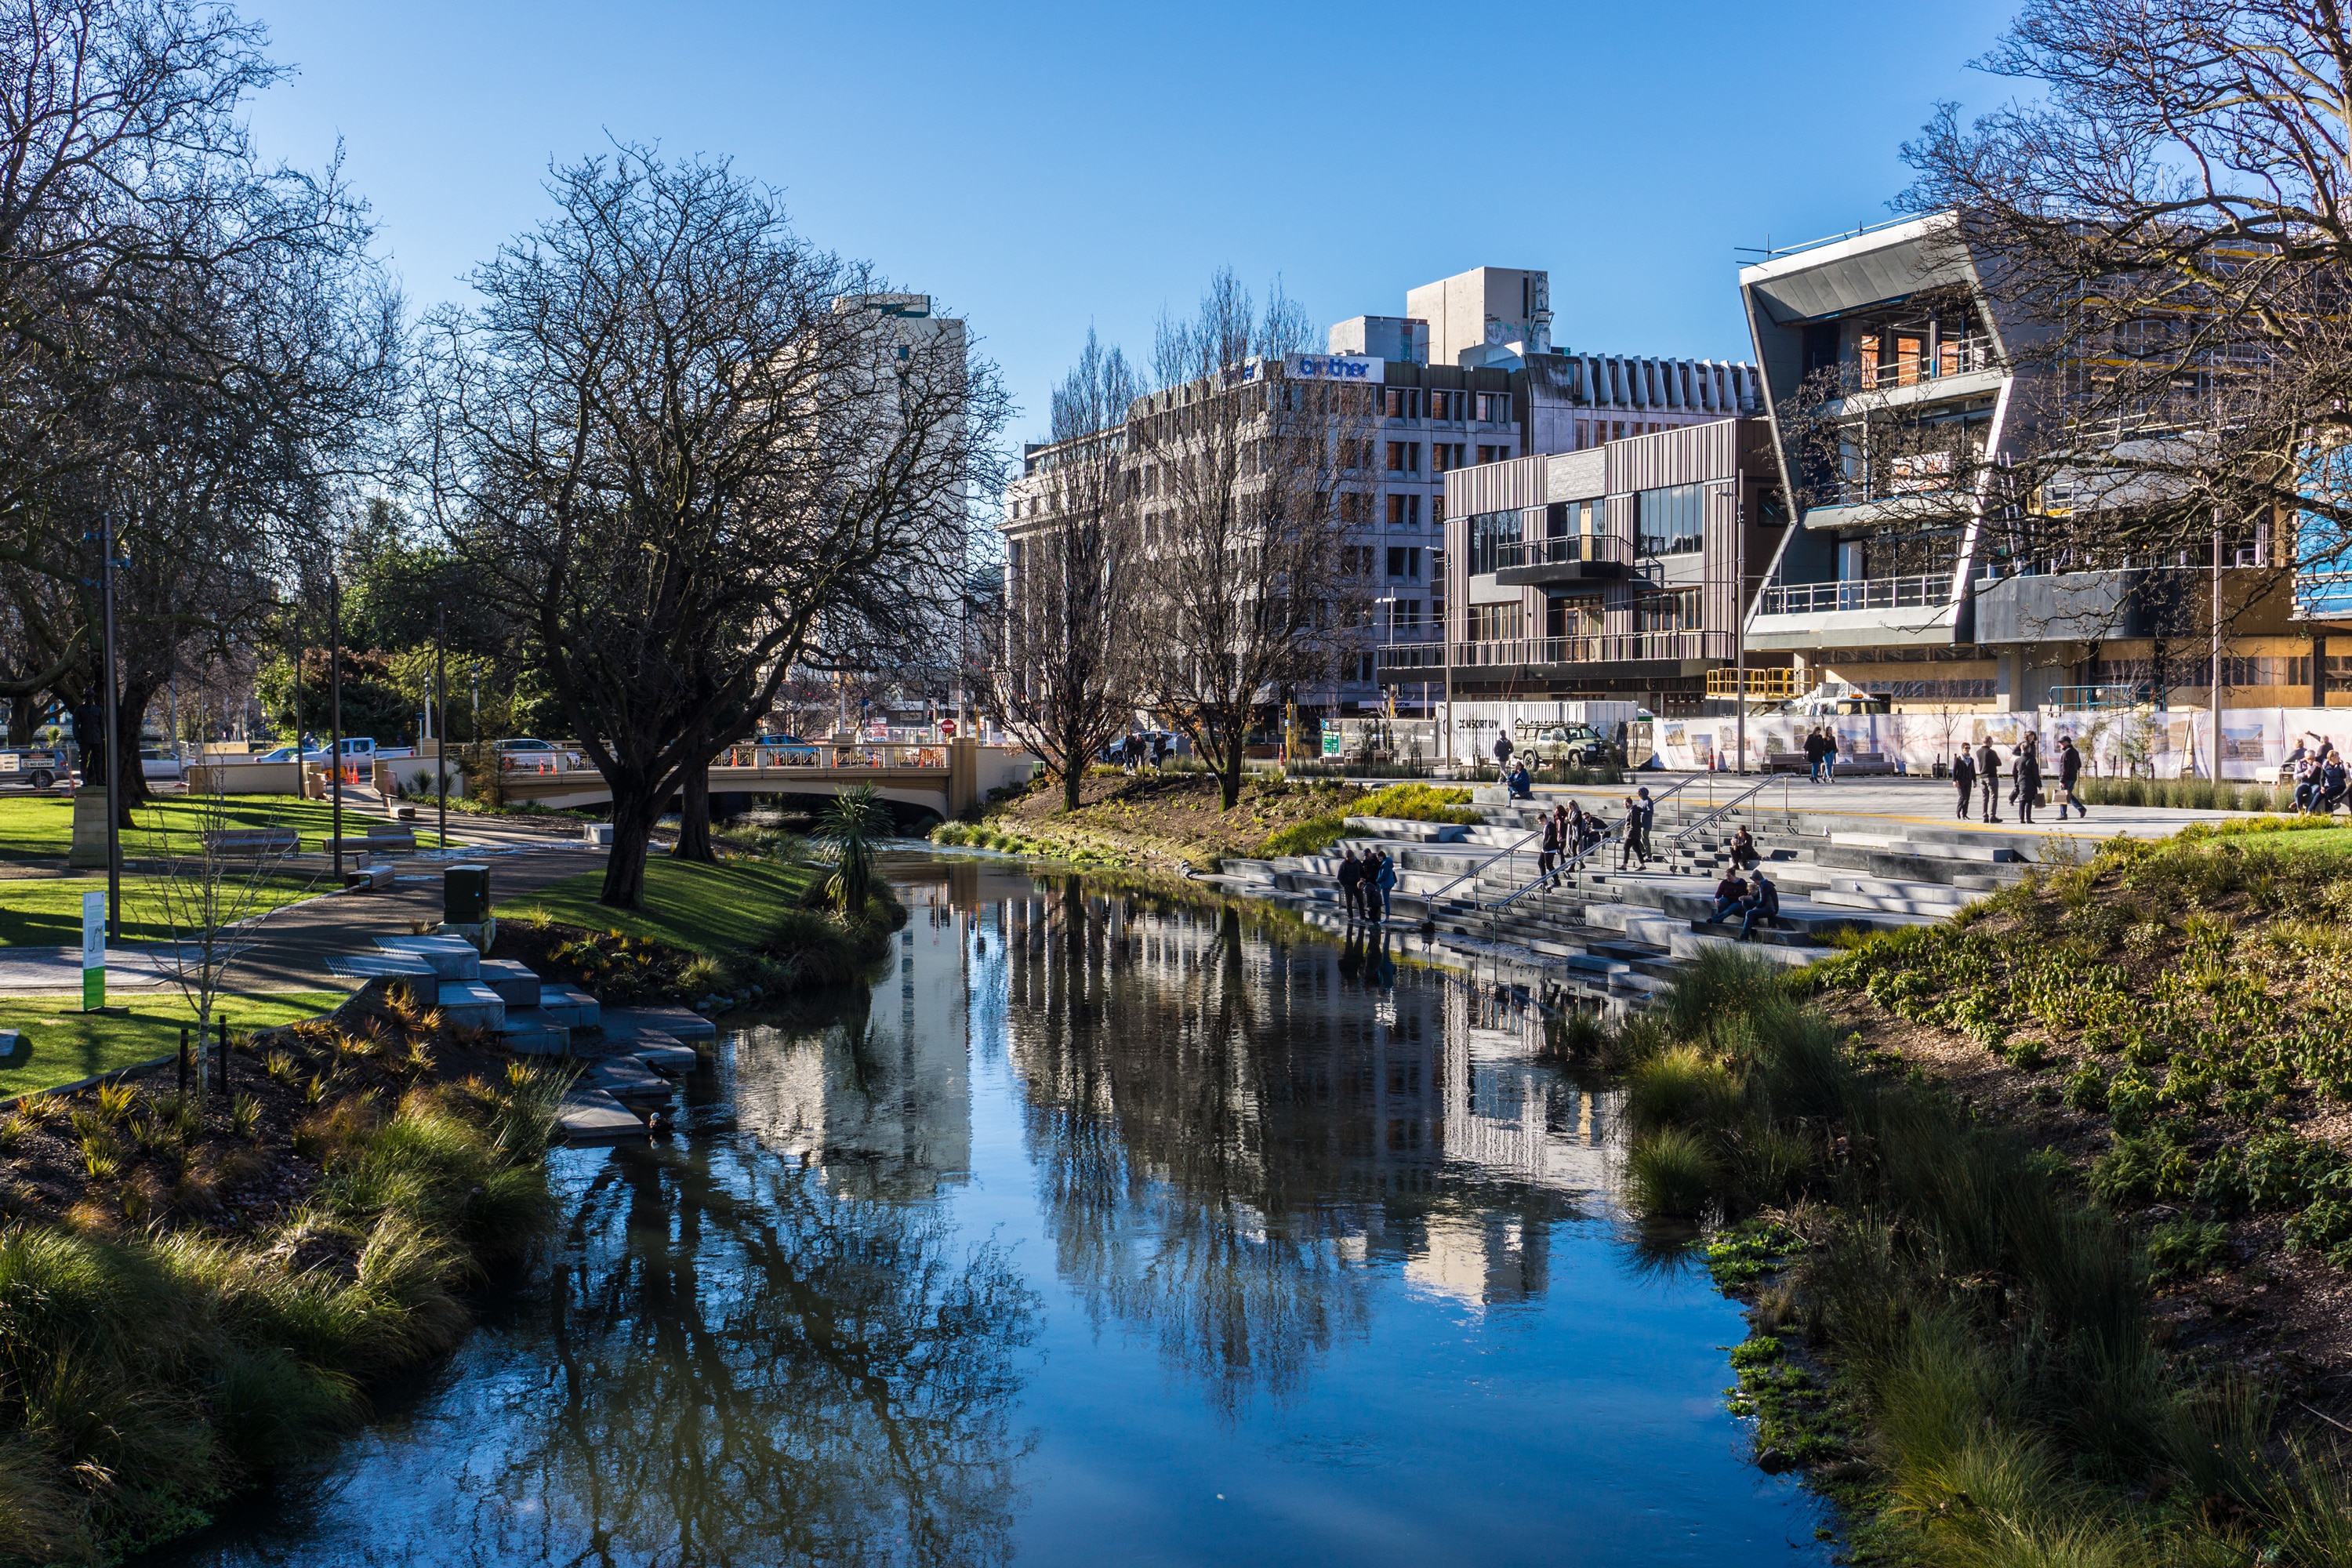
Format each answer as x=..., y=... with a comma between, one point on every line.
x=725, y=908
x=46, y=911
x=69, y=1044
x=40, y=827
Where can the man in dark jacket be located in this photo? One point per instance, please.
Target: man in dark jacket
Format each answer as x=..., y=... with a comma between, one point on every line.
x=1351, y=881
x=2070, y=768
x=1813, y=748
x=1762, y=903
x=1988, y=780
x=1964, y=779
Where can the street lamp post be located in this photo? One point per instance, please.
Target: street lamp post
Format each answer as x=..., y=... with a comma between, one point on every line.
x=113, y=751
x=335, y=713
x=441, y=722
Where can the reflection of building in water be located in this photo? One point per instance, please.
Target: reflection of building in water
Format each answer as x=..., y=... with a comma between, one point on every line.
x=1400, y=1113
x=883, y=1104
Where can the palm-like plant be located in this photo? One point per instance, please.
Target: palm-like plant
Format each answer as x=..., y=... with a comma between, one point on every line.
x=849, y=830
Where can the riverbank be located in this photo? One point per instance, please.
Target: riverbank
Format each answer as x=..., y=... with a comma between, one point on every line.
x=2041, y=1213
x=1178, y=822
x=196, y=1290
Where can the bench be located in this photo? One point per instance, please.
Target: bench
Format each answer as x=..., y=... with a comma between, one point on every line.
x=255, y=841
x=1788, y=763
x=368, y=880
x=390, y=841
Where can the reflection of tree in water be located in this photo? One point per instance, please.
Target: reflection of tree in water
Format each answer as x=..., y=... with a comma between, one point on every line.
x=1161, y=1113
x=755, y=1371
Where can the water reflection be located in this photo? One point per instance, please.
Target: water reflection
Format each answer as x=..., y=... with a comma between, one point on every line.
x=1311, y=1190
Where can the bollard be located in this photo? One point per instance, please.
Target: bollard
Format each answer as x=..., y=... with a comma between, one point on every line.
x=184, y=1061
x=224, y=1055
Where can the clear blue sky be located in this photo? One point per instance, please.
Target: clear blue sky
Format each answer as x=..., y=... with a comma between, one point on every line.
x=1040, y=167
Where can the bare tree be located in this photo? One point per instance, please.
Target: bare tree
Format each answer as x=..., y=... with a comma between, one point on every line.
x=2168, y=221
x=1065, y=635
x=1251, y=584
x=691, y=452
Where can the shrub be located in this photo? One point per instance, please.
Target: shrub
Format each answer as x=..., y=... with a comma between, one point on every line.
x=1671, y=1174
x=2184, y=1248
x=1681, y=1087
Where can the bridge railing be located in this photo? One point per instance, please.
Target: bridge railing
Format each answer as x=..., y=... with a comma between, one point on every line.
x=825, y=754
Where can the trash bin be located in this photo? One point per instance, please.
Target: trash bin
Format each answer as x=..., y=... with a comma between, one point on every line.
x=465, y=895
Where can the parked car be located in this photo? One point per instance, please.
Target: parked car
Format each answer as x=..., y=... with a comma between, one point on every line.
x=161, y=762
x=788, y=750
x=525, y=754
x=1578, y=745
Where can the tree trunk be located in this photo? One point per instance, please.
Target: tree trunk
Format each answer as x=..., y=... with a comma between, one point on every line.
x=130, y=719
x=635, y=809
x=693, y=817
x=1073, y=776
x=1229, y=776
x=20, y=722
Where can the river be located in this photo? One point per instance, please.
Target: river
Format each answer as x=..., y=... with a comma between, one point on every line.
x=1105, y=1229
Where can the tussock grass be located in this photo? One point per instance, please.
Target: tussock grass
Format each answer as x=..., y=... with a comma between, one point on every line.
x=145, y=1375
x=1988, y=1326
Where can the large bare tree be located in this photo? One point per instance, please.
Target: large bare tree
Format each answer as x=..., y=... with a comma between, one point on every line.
x=1063, y=636
x=691, y=451
x=2167, y=219
x=1254, y=484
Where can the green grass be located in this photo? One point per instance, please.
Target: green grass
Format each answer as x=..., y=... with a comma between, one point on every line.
x=69, y=1044
x=46, y=911
x=1413, y=802
x=40, y=827
x=729, y=908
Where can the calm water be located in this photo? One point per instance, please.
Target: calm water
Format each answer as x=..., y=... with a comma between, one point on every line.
x=1103, y=1231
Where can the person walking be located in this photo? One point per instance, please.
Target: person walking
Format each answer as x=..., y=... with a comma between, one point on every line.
x=2027, y=771
x=1988, y=780
x=2070, y=769
x=1548, y=855
x=1503, y=749
x=1384, y=881
x=1964, y=779
x=1813, y=756
x=1645, y=818
x=1631, y=846
x=1829, y=756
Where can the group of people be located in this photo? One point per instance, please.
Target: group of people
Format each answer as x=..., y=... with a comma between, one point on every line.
x=1366, y=880
x=2319, y=774
x=1132, y=752
x=1752, y=898
x=1978, y=773
x=1569, y=831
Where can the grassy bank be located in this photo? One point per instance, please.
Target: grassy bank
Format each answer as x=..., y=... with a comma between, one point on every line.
x=39, y=828
x=193, y=1294
x=67, y=1044
x=1176, y=821
x=1965, y=1329
x=743, y=928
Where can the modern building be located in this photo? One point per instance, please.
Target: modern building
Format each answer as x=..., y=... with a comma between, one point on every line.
x=1890, y=370
x=1466, y=378
x=1617, y=572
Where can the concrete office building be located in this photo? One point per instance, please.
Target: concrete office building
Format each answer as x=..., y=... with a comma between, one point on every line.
x=1473, y=381
x=1896, y=582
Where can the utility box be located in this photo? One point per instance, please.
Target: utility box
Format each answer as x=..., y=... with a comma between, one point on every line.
x=465, y=895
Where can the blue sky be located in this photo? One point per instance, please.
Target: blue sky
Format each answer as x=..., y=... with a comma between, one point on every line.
x=1043, y=167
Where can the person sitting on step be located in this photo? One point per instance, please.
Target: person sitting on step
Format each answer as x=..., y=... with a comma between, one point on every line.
x=1729, y=895
x=1763, y=904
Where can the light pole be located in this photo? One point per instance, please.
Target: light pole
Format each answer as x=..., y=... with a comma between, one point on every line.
x=335, y=713
x=113, y=751
x=441, y=722
x=1739, y=627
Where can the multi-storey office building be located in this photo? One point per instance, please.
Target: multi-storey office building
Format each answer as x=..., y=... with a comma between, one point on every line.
x=1466, y=378
x=1619, y=571
x=1889, y=371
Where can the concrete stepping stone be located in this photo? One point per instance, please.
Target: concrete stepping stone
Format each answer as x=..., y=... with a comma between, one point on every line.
x=626, y=1078
x=471, y=1004
x=592, y=1115
x=514, y=982
x=450, y=958
x=629, y=1022
x=568, y=1004
x=380, y=966
x=528, y=1031
x=672, y=1059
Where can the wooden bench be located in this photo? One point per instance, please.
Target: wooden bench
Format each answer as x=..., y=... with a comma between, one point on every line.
x=254, y=841
x=388, y=841
x=1788, y=763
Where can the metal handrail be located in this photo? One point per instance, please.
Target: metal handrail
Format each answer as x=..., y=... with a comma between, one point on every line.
x=1565, y=866
x=1480, y=869
x=1734, y=802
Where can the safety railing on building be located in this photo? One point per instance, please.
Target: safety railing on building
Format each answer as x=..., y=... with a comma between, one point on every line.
x=1567, y=550
x=1923, y=592
x=1948, y=356
x=1629, y=648
x=1774, y=683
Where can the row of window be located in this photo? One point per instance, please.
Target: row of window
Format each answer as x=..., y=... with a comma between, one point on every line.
x=2250, y=669
x=1417, y=402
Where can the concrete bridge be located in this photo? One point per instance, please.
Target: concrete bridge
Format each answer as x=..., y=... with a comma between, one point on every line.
x=942, y=778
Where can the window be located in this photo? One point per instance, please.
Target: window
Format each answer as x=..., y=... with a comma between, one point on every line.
x=1404, y=511
x=1355, y=453
x=1403, y=402
x=1447, y=455
x=1494, y=623
x=1406, y=613
x=1437, y=511
x=1495, y=407
x=1356, y=560
x=1355, y=506
x=1671, y=612
x=1445, y=405
x=1489, y=531
x=1404, y=457
x=1494, y=454
x=1404, y=561
x=1670, y=522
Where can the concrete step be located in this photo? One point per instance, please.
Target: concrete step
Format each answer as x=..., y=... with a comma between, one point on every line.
x=1689, y=944
x=382, y=966
x=451, y=959
x=569, y=1005
x=516, y=985
x=672, y=1059
x=592, y=1115
x=627, y=1079
x=526, y=1031
x=1406, y=830
x=470, y=1004
x=674, y=1023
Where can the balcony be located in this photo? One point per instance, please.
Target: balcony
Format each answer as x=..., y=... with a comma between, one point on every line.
x=1571, y=558
x=1632, y=653
x=1951, y=356
x=1862, y=594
